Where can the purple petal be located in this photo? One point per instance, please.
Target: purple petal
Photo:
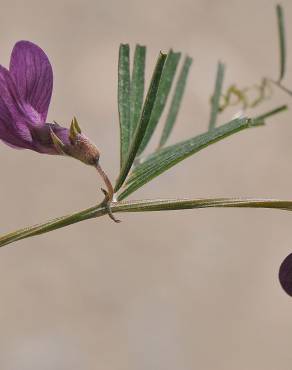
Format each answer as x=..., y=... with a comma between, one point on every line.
x=32, y=73
x=14, y=127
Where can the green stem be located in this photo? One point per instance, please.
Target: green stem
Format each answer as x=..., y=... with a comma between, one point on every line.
x=143, y=206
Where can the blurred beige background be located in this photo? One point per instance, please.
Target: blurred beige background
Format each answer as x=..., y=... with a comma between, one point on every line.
x=173, y=291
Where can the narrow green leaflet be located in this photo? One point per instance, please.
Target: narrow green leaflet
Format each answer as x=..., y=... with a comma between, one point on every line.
x=166, y=158
x=165, y=84
x=124, y=100
x=143, y=122
x=282, y=41
x=215, y=101
x=137, y=87
x=171, y=155
x=264, y=116
x=176, y=101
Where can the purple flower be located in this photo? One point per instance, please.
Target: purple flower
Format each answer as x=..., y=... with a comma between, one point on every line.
x=25, y=94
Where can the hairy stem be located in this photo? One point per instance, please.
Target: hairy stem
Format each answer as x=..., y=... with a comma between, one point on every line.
x=143, y=206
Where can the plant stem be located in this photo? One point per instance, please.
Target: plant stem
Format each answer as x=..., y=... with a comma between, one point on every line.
x=280, y=86
x=110, y=189
x=143, y=206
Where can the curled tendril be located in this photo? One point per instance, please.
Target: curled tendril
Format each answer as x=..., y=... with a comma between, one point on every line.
x=247, y=97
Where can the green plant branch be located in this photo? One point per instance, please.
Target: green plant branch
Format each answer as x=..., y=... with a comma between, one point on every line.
x=143, y=206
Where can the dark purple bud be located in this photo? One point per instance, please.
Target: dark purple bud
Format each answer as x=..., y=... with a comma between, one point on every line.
x=285, y=274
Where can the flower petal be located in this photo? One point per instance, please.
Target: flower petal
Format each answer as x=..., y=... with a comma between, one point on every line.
x=32, y=73
x=14, y=128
